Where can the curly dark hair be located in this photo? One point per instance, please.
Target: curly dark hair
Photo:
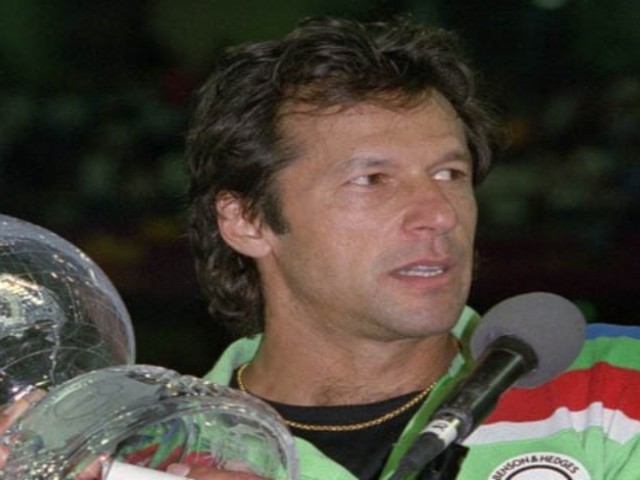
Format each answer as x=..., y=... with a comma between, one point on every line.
x=234, y=144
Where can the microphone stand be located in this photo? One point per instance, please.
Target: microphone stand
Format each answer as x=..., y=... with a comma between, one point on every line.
x=445, y=466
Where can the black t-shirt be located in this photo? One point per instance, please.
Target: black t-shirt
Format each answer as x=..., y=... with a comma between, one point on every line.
x=364, y=452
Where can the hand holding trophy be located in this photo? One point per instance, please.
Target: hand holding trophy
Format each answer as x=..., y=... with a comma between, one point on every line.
x=65, y=330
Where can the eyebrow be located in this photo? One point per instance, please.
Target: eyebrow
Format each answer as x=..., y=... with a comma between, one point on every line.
x=370, y=161
x=363, y=161
x=459, y=155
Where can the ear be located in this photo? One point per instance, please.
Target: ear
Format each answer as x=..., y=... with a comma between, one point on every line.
x=244, y=234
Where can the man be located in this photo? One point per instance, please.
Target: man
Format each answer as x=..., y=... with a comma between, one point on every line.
x=333, y=196
x=333, y=218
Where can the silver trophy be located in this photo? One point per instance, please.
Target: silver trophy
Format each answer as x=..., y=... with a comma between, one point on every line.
x=65, y=329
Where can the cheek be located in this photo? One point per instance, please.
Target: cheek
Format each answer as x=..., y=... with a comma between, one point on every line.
x=468, y=214
x=473, y=219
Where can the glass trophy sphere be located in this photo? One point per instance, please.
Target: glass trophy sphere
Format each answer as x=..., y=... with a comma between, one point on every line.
x=60, y=316
x=65, y=329
x=150, y=417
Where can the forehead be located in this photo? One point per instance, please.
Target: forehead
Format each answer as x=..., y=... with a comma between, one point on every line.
x=427, y=125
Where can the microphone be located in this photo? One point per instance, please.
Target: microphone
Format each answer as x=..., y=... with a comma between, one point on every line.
x=524, y=341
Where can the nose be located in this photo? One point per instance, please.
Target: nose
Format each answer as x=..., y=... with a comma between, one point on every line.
x=430, y=209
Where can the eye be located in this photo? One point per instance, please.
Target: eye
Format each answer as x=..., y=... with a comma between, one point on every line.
x=450, y=174
x=368, y=180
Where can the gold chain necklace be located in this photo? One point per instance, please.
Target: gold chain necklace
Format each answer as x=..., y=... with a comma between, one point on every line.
x=350, y=427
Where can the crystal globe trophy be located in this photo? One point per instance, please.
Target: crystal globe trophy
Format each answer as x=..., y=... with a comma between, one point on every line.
x=60, y=316
x=148, y=417
x=65, y=329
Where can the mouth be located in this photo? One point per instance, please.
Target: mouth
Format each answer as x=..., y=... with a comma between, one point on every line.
x=421, y=271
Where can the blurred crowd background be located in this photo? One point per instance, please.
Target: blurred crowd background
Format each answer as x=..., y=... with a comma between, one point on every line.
x=95, y=95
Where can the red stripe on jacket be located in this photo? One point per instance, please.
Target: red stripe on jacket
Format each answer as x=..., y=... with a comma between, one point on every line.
x=617, y=388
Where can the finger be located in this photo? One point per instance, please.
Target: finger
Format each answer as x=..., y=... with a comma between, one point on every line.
x=19, y=405
x=10, y=413
x=16, y=408
x=31, y=396
x=94, y=470
x=178, y=469
x=4, y=455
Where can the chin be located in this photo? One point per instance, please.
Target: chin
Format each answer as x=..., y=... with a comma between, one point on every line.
x=424, y=327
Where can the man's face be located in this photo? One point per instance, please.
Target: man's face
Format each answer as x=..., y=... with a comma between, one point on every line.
x=381, y=215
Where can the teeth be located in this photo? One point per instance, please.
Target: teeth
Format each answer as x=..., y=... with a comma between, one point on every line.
x=422, y=271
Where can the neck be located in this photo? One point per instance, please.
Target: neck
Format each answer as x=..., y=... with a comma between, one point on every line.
x=339, y=371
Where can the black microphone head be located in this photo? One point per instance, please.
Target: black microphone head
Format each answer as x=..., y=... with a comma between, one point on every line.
x=551, y=325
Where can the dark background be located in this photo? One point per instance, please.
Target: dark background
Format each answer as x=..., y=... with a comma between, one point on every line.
x=94, y=98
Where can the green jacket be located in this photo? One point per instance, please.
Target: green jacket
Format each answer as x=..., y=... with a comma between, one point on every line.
x=583, y=425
